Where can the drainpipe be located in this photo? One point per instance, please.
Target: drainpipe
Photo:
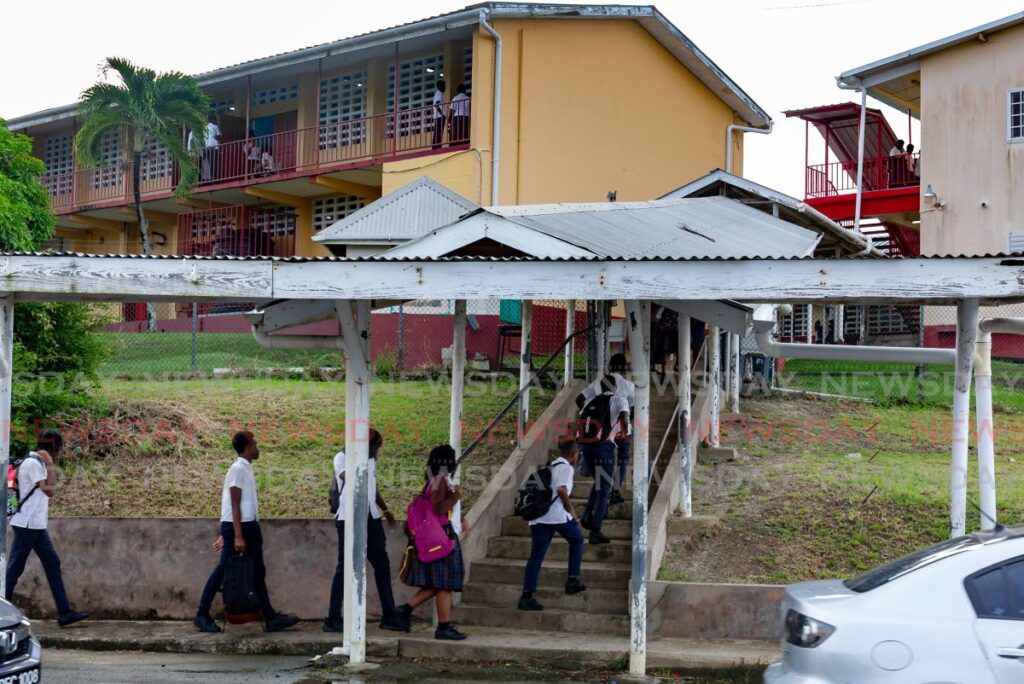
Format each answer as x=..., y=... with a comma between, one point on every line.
x=985, y=419
x=764, y=323
x=496, y=124
x=860, y=152
x=732, y=128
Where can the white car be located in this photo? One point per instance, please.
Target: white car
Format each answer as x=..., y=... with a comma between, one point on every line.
x=950, y=614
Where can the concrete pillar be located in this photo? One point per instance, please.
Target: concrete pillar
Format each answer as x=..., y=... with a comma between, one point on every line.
x=734, y=376
x=727, y=384
x=966, y=334
x=841, y=323
x=639, y=315
x=570, y=350
x=986, y=430
x=602, y=338
x=458, y=384
x=715, y=363
x=6, y=366
x=685, y=380
x=524, y=367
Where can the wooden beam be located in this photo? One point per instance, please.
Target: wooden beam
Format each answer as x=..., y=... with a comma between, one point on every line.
x=283, y=198
x=367, y=192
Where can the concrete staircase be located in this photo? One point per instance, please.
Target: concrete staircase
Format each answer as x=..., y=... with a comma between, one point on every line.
x=490, y=596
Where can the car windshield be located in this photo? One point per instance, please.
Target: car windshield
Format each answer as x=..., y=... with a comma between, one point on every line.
x=872, y=579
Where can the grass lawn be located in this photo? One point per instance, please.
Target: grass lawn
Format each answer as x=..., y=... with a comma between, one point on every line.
x=166, y=447
x=134, y=355
x=830, y=488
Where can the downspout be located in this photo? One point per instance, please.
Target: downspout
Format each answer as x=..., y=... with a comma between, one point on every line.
x=860, y=152
x=732, y=128
x=496, y=107
x=764, y=323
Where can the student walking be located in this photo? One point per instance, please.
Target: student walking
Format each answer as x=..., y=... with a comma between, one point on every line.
x=438, y=578
x=561, y=519
x=602, y=419
x=240, y=533
x=376, y=545
x=35, y=480
x=627, y=390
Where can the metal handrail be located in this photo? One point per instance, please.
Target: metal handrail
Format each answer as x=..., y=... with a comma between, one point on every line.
x=512, y=402
x=675, y=413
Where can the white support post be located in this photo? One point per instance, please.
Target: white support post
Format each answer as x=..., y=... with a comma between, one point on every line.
x=840, y=335
x=458, y=384
x=734, y=376
x=6, y=368
x=570, y=350
x=966, y=334
x=607, y=335
x=355, y=327
x=639, y=317
x=684, y=355
x=810, y=323
x=602, y=339
x=526, y=345
x=727, y=385
x=715, y=362
x=986, y=430
x=350, y=467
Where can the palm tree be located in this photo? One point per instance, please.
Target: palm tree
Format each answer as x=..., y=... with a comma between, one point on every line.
x=154, y=108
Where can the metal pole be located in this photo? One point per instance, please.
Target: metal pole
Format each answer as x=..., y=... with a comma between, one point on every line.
x=401, y=337
x=734, y=386
x=860, y=157
x=195, y=331
x=458, y=384
x=686, y=462
x=591, y=341
x=607, y=335
x=639, y=315
x=602, y=338
x=344, y=309
x=728, y=363
x=524, y=367
x=810, y=323
x=919, y=370
x=986, y=430
x=715, y=362
x=6, y=368
x=570, y=356
x=966, y=335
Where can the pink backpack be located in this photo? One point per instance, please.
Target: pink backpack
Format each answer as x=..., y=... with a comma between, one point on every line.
x=427, y=528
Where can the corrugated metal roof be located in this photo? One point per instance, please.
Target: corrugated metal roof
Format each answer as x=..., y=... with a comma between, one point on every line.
x=405, y=214
x=707, y=227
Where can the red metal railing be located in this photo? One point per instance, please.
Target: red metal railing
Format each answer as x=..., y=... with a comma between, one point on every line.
x=371, y=139
x=880, y=173
x=238, y=230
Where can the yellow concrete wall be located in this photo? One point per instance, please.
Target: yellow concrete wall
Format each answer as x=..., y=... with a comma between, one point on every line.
x=965, y=155
x=462, y=172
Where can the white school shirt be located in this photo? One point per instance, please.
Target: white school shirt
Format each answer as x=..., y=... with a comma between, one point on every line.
x=35, y=511
x=561, y=476
x=371, y=482
x=438, y=104
x=623, y=388
x=460, y=105
x=212, y=133
x=240, y=475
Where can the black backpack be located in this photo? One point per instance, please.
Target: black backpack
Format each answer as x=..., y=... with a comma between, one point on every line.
x=534, y=498
x=333, y=495
x=595, y=419
x=241, y=604
x=14, y=498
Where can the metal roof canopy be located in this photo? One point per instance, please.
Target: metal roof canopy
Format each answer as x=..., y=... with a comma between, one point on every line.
x=839, y=125
x=405, y=214
x=922, y=280
x=790, y=209
x=664, y=31
x=707, y=227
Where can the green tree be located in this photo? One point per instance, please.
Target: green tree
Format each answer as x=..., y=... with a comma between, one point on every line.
x=25, y=217
x=154, y=108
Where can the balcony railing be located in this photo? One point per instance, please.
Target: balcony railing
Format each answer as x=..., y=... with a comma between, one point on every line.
x=371, y=139
x=880, y=173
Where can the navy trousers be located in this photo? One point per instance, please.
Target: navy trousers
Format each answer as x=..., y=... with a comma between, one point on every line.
x=540, y=537
x=25, y=542
x=377, y=554
x=254, y=549
x=601, y=459
x=622, y=449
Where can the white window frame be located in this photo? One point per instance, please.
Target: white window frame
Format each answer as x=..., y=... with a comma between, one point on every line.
x=1010, y=137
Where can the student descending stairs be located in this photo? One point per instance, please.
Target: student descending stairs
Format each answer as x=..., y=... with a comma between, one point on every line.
x=491, y=595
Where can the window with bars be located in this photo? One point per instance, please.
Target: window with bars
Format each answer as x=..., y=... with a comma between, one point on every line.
x=342, y=108
x=1015, y=115
x=331, y=209
x=467, y=69
x=156, y=161
x=59, y=164
x=110, y=172
x=416, y=86
x=279, y=94
x=224, y=105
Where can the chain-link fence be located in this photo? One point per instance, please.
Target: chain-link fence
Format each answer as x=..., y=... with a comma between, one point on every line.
x=215, y=340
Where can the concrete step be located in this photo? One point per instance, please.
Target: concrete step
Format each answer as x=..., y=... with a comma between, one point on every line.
x=596, y=575
x=547, y=620
x=581, y=487
x=618, y=551
x=514, y=526
x=593, y=600
x=715, y=455
x=622, y=511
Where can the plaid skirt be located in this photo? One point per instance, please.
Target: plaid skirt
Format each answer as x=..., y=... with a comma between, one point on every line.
x=444, y=573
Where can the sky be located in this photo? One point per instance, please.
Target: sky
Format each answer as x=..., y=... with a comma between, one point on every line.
x=784, y=53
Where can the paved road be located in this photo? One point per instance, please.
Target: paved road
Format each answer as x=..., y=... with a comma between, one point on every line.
x=66, y=666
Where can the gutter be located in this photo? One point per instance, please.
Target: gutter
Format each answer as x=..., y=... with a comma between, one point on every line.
x=764, y=324
x=732, y=128
x=495, y=107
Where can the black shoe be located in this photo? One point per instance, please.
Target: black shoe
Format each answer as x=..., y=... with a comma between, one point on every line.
x=394, y=622
x=449, y=633
x=574, y=586
x=529, y=603
x=586, y=524
x=615, y=498
x=206, y=624
x=75, y=616
x=597, y=538
x=281, y=622
x=334, y=625
x=403, y=615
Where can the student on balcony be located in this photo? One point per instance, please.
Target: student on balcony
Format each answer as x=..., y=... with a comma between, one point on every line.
x=439, y=114
x=460, y=116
